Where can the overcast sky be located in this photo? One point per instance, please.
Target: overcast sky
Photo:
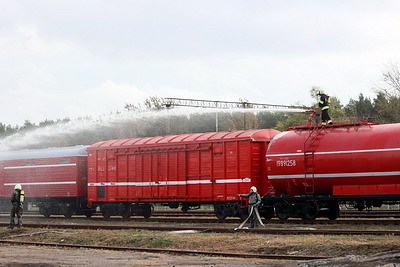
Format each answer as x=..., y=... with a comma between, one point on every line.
x=77, y=58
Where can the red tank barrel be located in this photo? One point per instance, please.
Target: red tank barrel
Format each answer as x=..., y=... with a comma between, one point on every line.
x=357, y=159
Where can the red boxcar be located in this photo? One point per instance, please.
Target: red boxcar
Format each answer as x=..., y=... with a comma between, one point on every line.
x=343, y=162
x=55, y=179
x=177, y=170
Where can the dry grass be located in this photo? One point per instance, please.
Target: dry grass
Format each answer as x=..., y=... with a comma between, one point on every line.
x=238, y=242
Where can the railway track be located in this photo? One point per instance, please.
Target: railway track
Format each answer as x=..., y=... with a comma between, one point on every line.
x=343, y=214
x=209, y=213
x=274, y=221
x=213, y=220
x=169, y=251
x=265, y=231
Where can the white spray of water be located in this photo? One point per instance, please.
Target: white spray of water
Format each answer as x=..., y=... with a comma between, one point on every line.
x=38, y=135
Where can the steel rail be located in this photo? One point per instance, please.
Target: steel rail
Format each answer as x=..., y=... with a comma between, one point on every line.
x=211, y=214
x=343, y=213
x=273, y=221
x=202, y=220
x=170, y=251
x=271, y=231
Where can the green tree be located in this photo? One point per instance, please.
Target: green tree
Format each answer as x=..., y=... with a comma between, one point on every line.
x=243, y=121
x=151, y=103
x=269, y=120
x=154, y=103
x=28, y=126
x=291, y=120
x=361, y=108
x=387, y=108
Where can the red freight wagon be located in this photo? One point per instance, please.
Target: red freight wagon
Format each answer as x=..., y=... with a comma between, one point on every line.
x=357, y=163
x=55, y=179
x=126, y=176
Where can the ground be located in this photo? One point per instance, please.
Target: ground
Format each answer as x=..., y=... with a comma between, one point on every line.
x=21, y=256
x=357, y=250
x=46, y=257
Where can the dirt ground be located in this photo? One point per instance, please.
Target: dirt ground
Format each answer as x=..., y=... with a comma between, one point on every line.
x=49, y=257
x=32, y=256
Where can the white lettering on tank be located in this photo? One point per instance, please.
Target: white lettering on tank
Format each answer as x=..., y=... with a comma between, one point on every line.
x=286, y=163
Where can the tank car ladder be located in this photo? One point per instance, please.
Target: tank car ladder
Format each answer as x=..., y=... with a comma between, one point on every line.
x=310, y=145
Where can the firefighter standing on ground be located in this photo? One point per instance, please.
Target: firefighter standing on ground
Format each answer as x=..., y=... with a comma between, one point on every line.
x=323, y=104
x=254, y=202
x=17, y=202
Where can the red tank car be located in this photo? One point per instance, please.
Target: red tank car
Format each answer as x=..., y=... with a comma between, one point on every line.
x=55, y=179
x=127, y=176
x=357, y=164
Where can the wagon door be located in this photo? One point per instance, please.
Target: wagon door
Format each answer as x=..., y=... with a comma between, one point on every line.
x=199, y=172
x=122, y=174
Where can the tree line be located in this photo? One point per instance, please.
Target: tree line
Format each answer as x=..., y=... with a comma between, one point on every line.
x=383, y=108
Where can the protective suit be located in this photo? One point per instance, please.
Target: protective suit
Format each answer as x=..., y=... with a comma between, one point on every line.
x=17, y=205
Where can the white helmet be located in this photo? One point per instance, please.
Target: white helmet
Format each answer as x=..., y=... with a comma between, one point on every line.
x=253, y=188
x=17, y=187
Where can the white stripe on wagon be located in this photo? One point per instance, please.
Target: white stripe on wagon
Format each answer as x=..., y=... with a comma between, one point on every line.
x=335, y=175
x=163, y=183
x=39, y=166
x=335, y=152
x=42, y=183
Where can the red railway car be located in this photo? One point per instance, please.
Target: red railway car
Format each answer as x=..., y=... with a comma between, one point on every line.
x=126, y=176
x=356, y=164
x=54, y=179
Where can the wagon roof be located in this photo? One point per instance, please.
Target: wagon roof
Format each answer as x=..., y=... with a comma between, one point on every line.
x=53, y=152
x=254, y=135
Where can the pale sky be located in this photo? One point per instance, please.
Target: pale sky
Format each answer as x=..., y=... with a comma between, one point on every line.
x=88, y=58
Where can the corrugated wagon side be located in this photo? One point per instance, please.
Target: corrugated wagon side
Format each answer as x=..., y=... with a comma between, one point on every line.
x=127, y=176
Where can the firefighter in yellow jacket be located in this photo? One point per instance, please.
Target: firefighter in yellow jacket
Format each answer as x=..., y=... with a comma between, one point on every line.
x=17, y=202
x=323, y=104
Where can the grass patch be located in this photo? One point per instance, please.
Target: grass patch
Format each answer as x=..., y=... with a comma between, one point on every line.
x=237, y=242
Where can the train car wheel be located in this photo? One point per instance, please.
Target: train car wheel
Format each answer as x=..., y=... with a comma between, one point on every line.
x=220, y=211
x=105, y=214
x=147, y=210
x=283, y=211
x=243, y=215
x=126, y=216
x=220, y=215
x=126, y=212
x=267, y=212
x=68, y=215
x=333, y=212
x=45, y=211
x=282, y=216
x=309, y=211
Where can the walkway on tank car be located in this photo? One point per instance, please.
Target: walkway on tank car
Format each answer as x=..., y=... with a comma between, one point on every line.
x=341, y=125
